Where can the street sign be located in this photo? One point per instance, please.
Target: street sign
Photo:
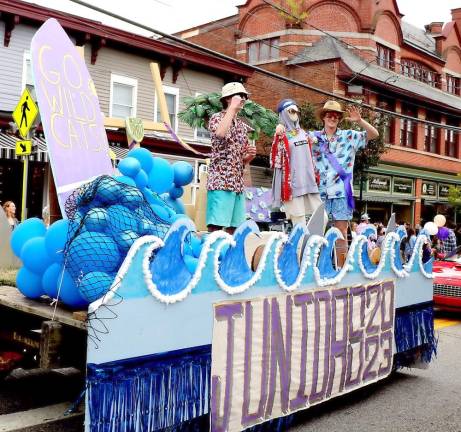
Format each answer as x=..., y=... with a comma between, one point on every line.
x=23, y=148
x=25, y=113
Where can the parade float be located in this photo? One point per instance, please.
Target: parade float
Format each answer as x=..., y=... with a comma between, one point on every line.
x=187, y=329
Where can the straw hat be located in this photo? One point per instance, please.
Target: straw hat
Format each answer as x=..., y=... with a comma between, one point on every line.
x=232, y=88
x=329, y=105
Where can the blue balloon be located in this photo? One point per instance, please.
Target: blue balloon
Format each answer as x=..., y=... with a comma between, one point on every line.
x=30, y=228
x=125, y=240
x=191, y=263
x=147, y=227
x=175, y=204
x=177, y=216
x=161, y=212
x=56, y=238
x=144, y=156
x=69, y=293
x=50, y=280
x=176, y=192
x=94, y=285
x=126, y=180
x=122, y=218
x=97, y=220
x=183, y=173
x=94, y=251
x=35, y=256
x=141, y=179
x=29, y=283
x=161, y=176
x=131, y=198
x=129, y=167
x=108, y=191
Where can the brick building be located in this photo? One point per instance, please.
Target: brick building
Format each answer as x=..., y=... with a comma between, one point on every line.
x=363, y=48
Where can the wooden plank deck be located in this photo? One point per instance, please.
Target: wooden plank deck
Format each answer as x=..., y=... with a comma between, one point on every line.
x=12, y=298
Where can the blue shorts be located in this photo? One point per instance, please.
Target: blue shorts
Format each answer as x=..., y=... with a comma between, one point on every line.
x=225, y=208
x=337, y=209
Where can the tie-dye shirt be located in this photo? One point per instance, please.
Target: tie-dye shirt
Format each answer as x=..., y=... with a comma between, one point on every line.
x=344, y=144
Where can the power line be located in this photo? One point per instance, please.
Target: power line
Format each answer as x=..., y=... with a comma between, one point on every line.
x=261, y=70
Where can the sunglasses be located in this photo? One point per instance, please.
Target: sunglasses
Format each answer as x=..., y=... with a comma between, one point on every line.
x=333, y=115
x=244, y=96
x=292, y=111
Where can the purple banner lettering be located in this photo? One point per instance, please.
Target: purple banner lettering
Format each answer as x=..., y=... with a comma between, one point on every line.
x=324, y=297
x=373, y=305
x=338, y=346
x=355, y=337
x=280, y=355
x=225, y=312
x=302, y=399
x=253, y=418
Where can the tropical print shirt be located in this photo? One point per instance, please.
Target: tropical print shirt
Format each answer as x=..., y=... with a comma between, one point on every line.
x=344, y=144
x=226, y=166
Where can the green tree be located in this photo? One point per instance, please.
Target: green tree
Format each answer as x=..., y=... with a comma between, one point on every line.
x=454, y=196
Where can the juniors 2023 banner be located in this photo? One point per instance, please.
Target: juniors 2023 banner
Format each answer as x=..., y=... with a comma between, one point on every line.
x=69, y=109
x=272, y=356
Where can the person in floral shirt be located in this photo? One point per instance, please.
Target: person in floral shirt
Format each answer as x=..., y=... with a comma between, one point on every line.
x=230, y=151
x=333, y=151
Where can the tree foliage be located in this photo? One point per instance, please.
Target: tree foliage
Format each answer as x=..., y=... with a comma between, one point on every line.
x=454, y=196
x=296, y=13
x=199, y=109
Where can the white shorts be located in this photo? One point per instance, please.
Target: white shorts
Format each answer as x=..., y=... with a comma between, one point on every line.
x=303, y=205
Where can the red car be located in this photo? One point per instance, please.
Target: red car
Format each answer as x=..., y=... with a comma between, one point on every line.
x=447, y=282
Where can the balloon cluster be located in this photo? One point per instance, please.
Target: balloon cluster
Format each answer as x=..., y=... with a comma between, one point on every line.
x=106, y=217
x=42, y=253
x=155, y=177
x=437, y=227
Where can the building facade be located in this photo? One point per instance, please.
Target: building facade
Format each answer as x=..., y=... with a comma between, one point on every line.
x=118, y=62
x=363, y=49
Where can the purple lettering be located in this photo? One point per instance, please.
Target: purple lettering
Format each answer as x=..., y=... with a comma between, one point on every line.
x=253, y=418
x=321, y=296
x=355, y=336
x=386, y=339
x=387, y=302
x=373, y=329
x=302, y=399
x=369, y=373
x=280, y=355
x=338, y=348
x=224, y=312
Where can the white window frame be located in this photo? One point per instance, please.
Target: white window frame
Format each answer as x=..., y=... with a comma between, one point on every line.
x=26, y=57
x=171, y=91
x=201, y=140
x=120, y=79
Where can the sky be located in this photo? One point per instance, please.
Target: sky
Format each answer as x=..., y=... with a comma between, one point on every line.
x=170, y=16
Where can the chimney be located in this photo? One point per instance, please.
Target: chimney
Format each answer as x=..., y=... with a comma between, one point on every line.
x=456, y=15
x=434, y=27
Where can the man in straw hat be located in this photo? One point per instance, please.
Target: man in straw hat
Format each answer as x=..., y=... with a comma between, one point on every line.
x=230, y=151
x=334, y=152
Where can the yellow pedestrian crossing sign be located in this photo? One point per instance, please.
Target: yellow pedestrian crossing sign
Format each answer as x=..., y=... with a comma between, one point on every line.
x=25, y=113
x=23, y=148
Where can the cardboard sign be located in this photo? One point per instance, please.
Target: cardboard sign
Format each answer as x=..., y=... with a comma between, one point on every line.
x=275, y=355
x=70, y=113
